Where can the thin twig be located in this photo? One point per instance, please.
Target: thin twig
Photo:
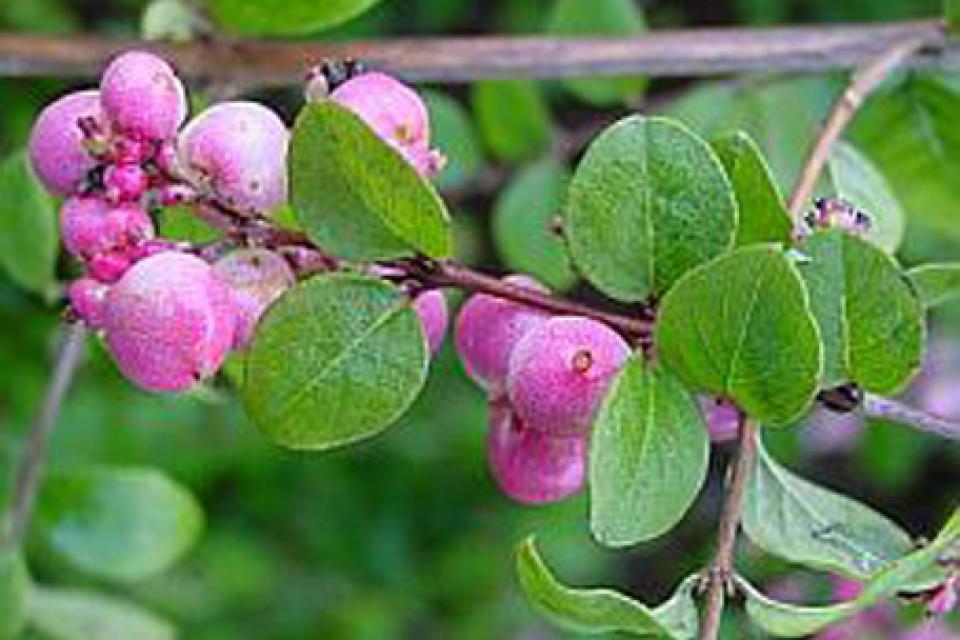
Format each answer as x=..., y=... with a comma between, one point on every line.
x=888, y=409
x=28, y=477
x=721, y=572
x=675, y=53
x=863, y=82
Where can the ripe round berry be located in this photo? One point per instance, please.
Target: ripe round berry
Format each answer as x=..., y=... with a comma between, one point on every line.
x=723, y=418
x=90, y=226
x=431, y=308
x=395, y=113
x=142, y=96
x=529, y=465
x=56, y=146
x=109, y=267
x=125, y=182
x=488, y=328
x=560, y=370
x=238, y=150
x=169, y=322
x=257, y=277
x=87, y=300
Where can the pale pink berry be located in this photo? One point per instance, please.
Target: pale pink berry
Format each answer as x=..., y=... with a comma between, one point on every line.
x=237, y=150
x=488, y=328
x=431, y=308
x=90, y=226
x=142, y=96
x=169, y=322
x=125, y=182
x=87, y=300
x=109, y=267
x=57, y=142
x=723, y=418
x=256, y=277
x=529, y=465
x=395, y=113
x=560, y=370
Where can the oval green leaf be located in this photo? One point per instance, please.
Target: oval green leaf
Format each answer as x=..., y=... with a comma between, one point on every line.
x=263, y=17
x=512, y=117
x=522, y=221
x=763, y=214
x=936, y=284
x=73, y=614
x=597, y=611
x=14, y=593
x=28, y=227
x=356, y=196
x=122, y=524
x=871, y=321
x=649, y=455
x=648, y=202
x=741, y=327
x=339, y=358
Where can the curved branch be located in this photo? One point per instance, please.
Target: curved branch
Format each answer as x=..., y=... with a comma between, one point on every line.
x=887, y=409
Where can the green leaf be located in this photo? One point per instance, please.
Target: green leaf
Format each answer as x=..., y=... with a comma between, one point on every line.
x=790, y=621
x=741, y=327
x=123, y=524
x=262, y=17
x=14, y=594
x=522, y=221
x=871, y=321
x=171, y=20
x=795, y=519
x=600, y=18
x=338, y=359
x=909, y=131
x=512, y=117
x=763, y=214
x=648, y=202
x=356, y=196
x=596, y=611
x=28, y=227
x=453, y=133
x=857, y=180
x=181, y=224
x=649, y=455
x=951, y=12
x=73, y=614
x=936, y=283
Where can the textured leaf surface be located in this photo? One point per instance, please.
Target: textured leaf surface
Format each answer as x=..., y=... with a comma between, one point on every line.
x=763, y=216
x=741, y=327
x=523, y=217
x=512, y=117
x=356, y=196
x=600, y=18
x=857, y=180
x=452, y=132
x=936, y=283
x=338, y=359
x=70, y=614
x=648, y=202
x=14, y=594
x=28, y=227
x=648, y=456
x=122, y=524
x=262, y=17
x=596, y=611
x=795, y=519
x=871, y=321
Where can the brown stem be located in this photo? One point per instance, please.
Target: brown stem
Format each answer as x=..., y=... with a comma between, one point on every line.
x=721, y=572
x=701, y=51
x=30, y=472
x=863, y=82
x=888, y=409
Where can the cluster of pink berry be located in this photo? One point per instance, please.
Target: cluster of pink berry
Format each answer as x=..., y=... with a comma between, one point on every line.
x=170, y=315
x=545, y=376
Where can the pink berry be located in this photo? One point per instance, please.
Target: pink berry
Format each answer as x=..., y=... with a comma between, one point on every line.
x=529, y=465
x=56, y=146
x=169, y=322
x=395, y=113
x=90, y=226
x=257, y=277
x=559, y=372
x=723, y=418
x=87, y=300
x=431, y=308
x=125, y=182
x=109, y=267
x=489, y=327
x=142, y=96
x=238, y=150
